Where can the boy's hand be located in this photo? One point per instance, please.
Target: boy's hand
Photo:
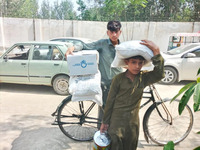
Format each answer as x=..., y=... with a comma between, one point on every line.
x=69, y=51
x=151, y=46
x=104, y=128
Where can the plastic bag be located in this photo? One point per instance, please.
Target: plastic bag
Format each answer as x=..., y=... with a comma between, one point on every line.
x=129, y=49
x=86, y=87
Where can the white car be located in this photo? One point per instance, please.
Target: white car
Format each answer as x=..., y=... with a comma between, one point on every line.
x=181, y=63
x=73, y=40
x=77, y=42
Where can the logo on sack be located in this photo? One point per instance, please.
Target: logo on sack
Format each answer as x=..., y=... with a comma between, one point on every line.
x=84, y=64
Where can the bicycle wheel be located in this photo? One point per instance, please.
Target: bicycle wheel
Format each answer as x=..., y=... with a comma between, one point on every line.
x=78, y=120
x=160, y=131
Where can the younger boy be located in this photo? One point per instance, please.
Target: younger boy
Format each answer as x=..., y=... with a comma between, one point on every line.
x=121, y=116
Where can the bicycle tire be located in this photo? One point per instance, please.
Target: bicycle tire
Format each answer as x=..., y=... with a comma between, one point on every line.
x=72, y=123
x=161, y=132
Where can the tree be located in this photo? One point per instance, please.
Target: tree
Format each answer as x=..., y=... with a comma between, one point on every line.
x=81, y=8
x=119, y=8
x=28, y=9
x=45, y=12
x=94, y=11
x=62, y=11
x=104, y=10
x=67, y=10
x=196, y=10
x=56, y=12
x=9, y=8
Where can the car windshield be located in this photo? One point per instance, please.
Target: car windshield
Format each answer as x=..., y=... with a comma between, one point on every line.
x=181, y=49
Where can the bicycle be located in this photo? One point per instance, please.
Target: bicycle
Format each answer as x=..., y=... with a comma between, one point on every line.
x=161, y=121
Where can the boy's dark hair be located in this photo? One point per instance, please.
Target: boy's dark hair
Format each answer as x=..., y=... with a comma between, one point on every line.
x=114, y=25
x=136, y=57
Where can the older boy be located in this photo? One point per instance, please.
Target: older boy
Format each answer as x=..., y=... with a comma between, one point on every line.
x=106, y=49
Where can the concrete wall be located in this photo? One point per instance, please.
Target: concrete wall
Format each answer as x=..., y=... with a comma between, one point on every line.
x=14, y=30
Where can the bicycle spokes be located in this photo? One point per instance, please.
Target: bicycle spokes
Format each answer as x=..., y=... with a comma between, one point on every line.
x=78, y=120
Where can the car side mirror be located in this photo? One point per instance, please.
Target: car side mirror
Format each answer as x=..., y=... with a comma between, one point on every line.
x=189, y=55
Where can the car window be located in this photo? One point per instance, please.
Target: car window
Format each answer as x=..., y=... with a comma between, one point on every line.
x=181, y=49
x=19, y=52
x=41, y=52
x=46, y=52
x=197, y=52
x=60, y=40
x=73, y=41
x=56, y=54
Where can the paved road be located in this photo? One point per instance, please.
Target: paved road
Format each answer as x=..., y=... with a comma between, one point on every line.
x=25, y=120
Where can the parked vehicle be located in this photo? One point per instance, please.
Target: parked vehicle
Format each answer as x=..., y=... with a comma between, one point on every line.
x=181, y=63
x=180, y=39
x=74, y=40
x=39, y=63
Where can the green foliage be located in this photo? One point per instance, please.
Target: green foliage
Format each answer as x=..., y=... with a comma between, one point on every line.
x=104, y=10
x=190, y=89
x=196, y=97
x=169, y=146
x=67, y=11
x=45, y=10
x=197, y=148
x=183, y=89
x=28, y=9
x=198, y=72
x=185, y=98
x=118, y=9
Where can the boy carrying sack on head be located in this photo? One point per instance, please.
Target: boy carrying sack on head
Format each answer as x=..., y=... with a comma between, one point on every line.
x=121, y=116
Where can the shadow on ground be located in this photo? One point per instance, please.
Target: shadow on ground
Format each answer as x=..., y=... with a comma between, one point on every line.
x=32, y=89
x=41, y=139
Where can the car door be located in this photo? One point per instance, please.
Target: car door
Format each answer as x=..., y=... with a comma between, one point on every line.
x=190, y=66
x=14, y=64
x=45, y=63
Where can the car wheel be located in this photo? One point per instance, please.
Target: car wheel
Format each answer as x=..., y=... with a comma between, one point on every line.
x=170, y=76
x=61, y=85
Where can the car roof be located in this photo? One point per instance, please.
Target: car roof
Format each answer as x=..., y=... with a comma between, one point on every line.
x=187, y=45
x=194, y=44
x=41, y=42
x=56, y=43
x=85, y=40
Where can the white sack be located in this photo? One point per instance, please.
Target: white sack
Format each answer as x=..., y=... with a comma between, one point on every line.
x=129, y=49
x=95, y=98
x=86, y=87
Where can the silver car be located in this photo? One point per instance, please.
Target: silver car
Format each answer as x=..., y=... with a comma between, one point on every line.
x=181, y=63
x=74, y=40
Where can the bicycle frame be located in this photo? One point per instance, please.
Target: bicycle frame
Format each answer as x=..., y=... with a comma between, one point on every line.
x=86, y=113
x=151, y=97
x=84, y=120
x=152, y=91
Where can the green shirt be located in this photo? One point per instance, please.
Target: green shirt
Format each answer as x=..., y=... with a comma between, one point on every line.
x=106, y=56
x=125, y=95
x=123, y=104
